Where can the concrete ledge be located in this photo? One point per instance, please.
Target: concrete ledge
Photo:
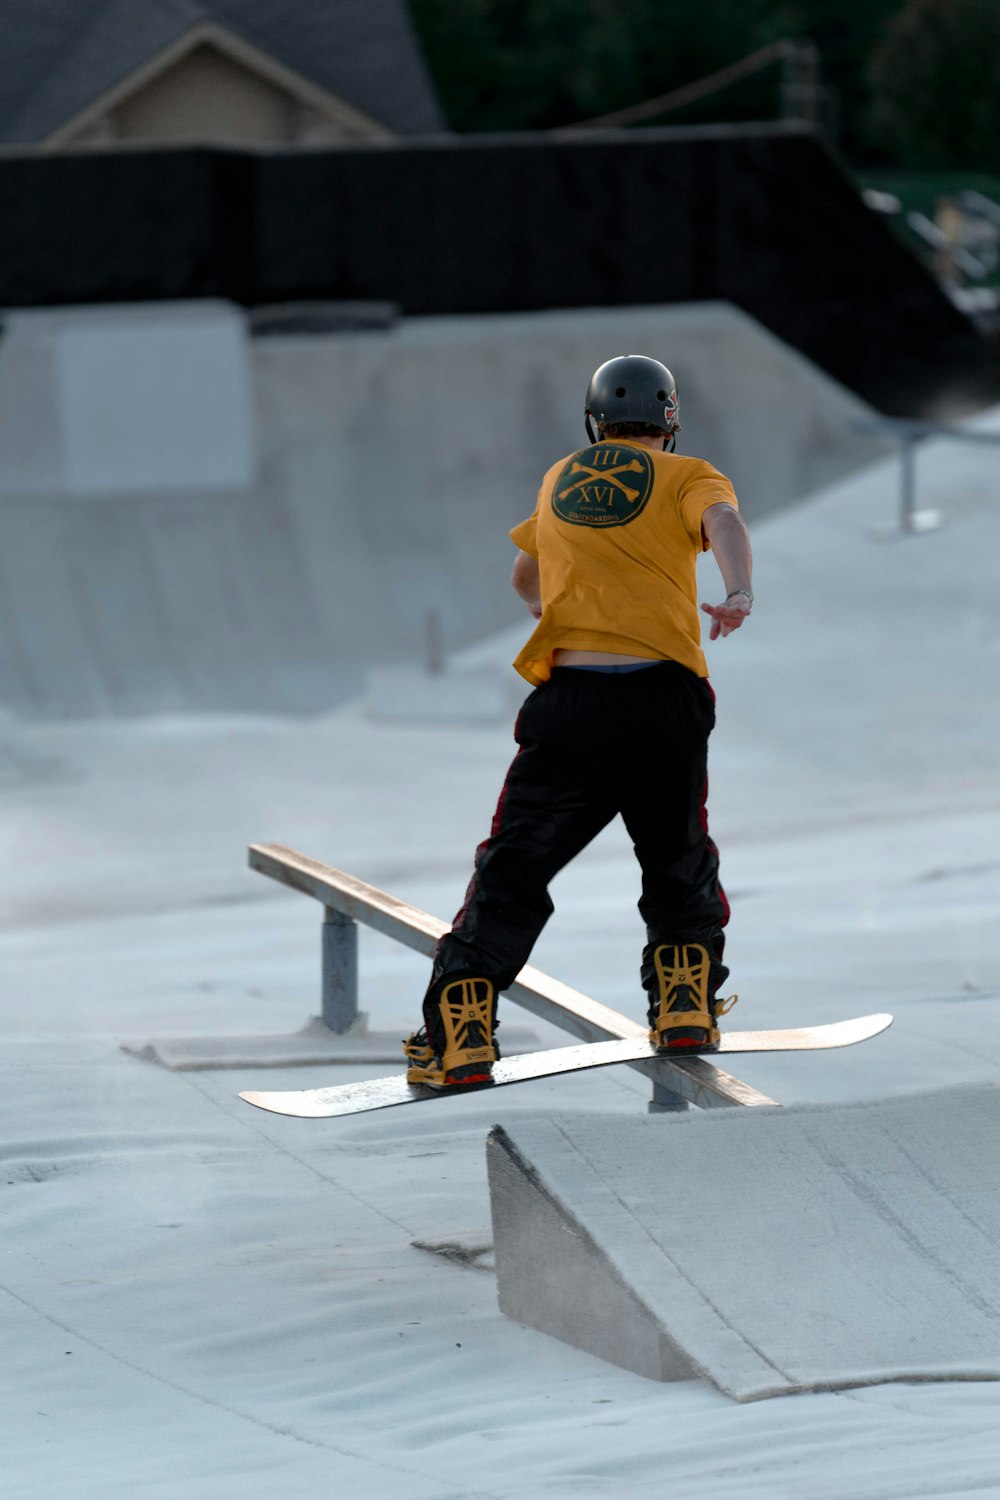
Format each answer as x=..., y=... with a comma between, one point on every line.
x=771, y=1250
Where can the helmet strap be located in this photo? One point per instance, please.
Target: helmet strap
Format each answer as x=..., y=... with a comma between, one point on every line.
x=590, y=431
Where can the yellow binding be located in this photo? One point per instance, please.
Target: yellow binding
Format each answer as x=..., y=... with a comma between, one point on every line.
x=466, y=1007
x=683, y=972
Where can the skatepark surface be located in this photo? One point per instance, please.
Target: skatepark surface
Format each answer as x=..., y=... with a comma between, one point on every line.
x=206, y=1302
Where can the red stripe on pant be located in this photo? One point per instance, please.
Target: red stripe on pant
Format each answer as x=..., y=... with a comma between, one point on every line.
x=710, y=846
x=495, y=828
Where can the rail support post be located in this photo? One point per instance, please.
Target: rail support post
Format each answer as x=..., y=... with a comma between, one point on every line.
x=665, y=1101
x=340, y=971
x=908, y=481
x=912, y=519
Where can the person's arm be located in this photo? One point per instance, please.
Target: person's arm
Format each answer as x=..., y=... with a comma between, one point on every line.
x=730, y=541
x=527, y=583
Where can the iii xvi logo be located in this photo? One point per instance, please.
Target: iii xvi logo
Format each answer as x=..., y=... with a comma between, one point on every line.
x=604, y=486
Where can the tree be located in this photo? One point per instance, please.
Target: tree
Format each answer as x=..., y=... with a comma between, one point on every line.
x=935, y=77
x=536, y=64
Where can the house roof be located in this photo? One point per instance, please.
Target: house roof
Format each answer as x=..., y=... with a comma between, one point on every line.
x=61, y=55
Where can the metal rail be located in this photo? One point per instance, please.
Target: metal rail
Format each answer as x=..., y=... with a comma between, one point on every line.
x=347, y=900
x=910, y=433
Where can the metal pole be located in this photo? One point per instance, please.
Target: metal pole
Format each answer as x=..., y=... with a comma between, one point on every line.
x=665, y=1101
x=340, y=971
x=908, y=481
x=800, y=82
x=433, y=643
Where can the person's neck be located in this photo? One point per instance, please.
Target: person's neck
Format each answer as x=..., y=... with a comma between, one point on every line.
x=656, y=443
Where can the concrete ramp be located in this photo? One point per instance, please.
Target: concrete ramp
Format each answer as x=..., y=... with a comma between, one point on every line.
x=769, y=1250
x=195, y=520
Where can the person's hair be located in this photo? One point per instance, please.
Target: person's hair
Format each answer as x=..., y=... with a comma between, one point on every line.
x=631, y=429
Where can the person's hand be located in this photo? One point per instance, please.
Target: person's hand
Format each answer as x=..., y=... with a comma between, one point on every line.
x=729, y=616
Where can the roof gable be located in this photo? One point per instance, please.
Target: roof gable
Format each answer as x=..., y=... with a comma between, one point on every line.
x=62, y=56
x=247, y=57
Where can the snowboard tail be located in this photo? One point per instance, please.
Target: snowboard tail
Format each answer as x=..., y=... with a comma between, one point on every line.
x=383, y=1093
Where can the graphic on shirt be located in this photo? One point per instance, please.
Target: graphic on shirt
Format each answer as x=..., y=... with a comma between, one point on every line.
x=605, y=485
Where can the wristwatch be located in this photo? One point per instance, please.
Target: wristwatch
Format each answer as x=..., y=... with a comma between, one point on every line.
x=745, y=592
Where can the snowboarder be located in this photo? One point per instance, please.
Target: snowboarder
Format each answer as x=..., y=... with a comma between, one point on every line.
x=618, y=723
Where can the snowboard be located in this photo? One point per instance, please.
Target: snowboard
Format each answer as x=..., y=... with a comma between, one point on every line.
x=383, y=1093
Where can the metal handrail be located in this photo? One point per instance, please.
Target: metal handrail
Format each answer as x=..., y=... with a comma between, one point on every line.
x=348, y=900
x=910, y=432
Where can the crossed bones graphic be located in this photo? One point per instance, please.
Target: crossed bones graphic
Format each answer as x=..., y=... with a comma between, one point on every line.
x=591, y=476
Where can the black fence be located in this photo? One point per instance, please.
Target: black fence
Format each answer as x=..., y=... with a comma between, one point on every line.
x=760, y=217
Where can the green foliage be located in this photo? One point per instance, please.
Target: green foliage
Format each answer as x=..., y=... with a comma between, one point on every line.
x=937, y=83
x=535, y=64
x=913, y=80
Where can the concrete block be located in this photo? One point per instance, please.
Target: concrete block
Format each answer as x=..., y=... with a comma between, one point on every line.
x=768, y=1250
x=110, y=400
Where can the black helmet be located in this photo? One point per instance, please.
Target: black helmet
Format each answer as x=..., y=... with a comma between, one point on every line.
x=632, y=388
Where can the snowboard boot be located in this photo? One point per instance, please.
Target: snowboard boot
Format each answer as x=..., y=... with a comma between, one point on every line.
x=455, y=1046
x=682, y=1016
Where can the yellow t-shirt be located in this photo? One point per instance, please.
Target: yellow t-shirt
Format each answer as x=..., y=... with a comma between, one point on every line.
x=617, y=533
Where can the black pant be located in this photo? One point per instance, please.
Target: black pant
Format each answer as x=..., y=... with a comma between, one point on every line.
x=593, y=745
